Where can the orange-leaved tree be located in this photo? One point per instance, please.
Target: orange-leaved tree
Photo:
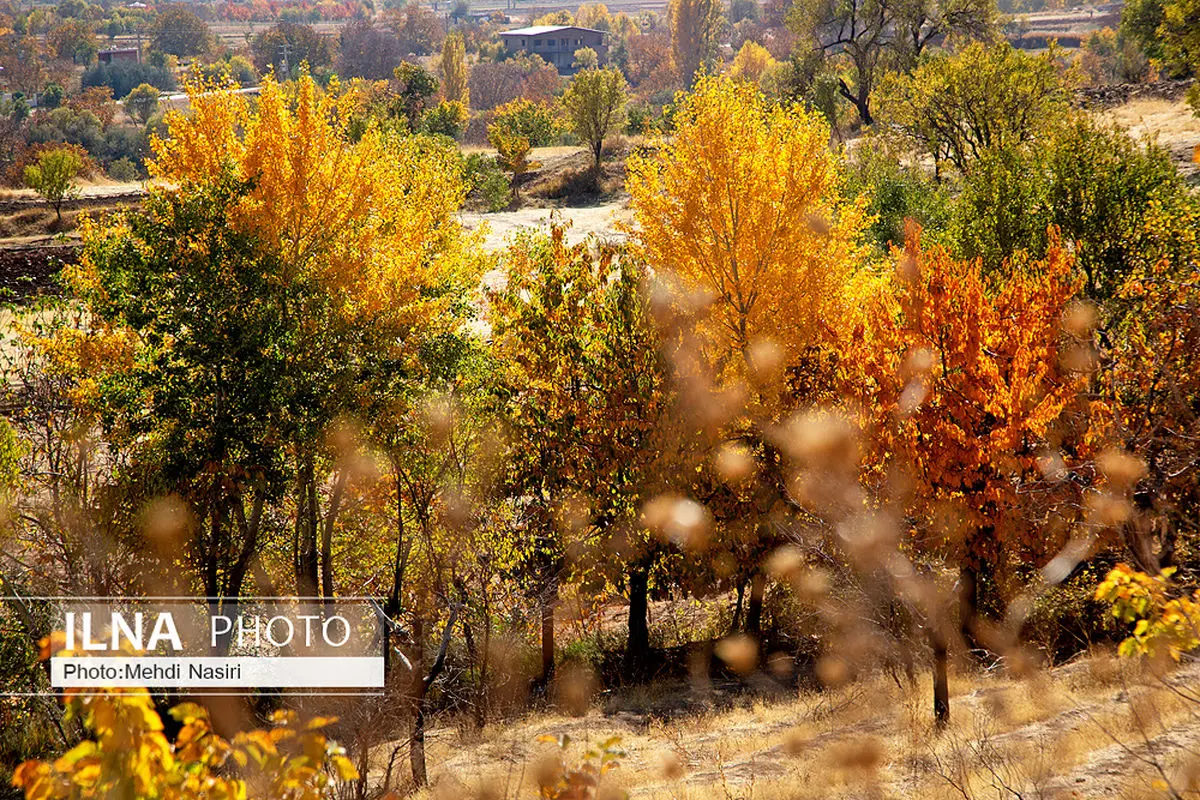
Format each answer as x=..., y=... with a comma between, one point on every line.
x=977, y=394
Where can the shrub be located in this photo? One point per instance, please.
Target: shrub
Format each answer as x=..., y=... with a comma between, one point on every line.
x=236, y=69
x=640, y=120
x=447, y=118
x=895, y=192
x=486, y=181
x=130, y=756
x=123, y=76
x=124, y=142
x=1003, y=208
x=523, y=118
x=124, y=170
x=65, y=124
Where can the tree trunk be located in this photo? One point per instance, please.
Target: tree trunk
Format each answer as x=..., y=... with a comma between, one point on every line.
x=737, y=608
x=421, y=684
x=416, y=748
x=941, y=683
x=637, y=645
x=393, y=603
x=335, y=503
x=861, y=100
x=307, y=564
x=758, y=587
x=549, y=601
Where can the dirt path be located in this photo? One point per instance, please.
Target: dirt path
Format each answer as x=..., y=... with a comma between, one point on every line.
x=601, y=220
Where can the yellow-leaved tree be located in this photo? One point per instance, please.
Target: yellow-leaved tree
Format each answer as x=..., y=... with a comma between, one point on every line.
x=454, y=70
x=335, y=250
x=741, y=207
x=131, y=756
x=373, y=219
x=752, y=62
x=742, y=204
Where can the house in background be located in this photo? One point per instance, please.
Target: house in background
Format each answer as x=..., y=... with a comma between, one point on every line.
x=555, y=43
x=119, y=54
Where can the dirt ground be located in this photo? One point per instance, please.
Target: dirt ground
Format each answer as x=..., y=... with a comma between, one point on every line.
x=599, y=219
x=1171, y=123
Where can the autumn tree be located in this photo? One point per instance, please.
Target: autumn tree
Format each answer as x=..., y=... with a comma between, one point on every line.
x=419, y=28
x=1151, y=378
x=593, y=15
x=53, y=177
x=535, y=121
x=585, y=58
x=594, y=102
x=982, y=99
x=742, y=205
x=584, y=388
x=73, y=40
x=361, y=252
x=743, y=202
x=412, y=86
x=365, y=51
x=300, y=43
x=977, y=394
x=695, y=33
x=142, y=102
x=752, y=62
x=455, y=74
x=512, y=154
x=178, y=31
x=861, y=39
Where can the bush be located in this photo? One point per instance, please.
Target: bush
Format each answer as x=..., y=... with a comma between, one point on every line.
x=124, y=170
x=124, y=142
x=123, y=76
x=69, y=125
x=447, y=118
x=487, y=181
x=534, y=121
x=1094, y=183
x=639, y=120
x=15, y=175
x=1003, y=208
x=237, y=69
x=894, y=192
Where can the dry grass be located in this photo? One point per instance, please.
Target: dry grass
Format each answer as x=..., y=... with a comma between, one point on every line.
x=1095, y=728
x=1171, y=123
